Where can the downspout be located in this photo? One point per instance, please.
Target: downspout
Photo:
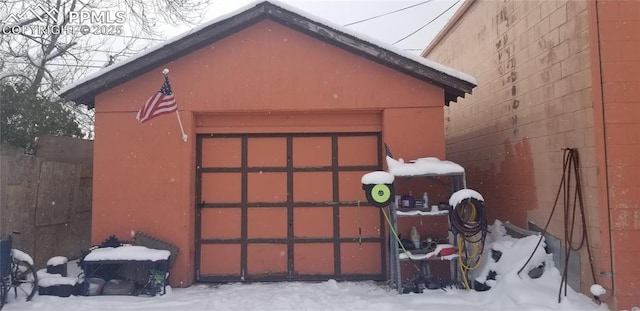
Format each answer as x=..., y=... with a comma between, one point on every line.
x=597, y=81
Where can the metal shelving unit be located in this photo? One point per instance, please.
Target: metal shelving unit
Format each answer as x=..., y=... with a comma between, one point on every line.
x=457, y=181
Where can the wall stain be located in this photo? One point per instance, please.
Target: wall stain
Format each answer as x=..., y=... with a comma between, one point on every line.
x=506, y=62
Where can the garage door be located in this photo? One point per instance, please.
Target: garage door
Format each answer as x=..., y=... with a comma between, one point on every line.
x=287, y=207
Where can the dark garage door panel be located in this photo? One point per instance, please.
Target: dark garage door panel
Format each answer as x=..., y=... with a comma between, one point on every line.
x=286, y=207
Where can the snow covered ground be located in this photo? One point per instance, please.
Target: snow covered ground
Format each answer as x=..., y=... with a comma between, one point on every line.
x=509, y=291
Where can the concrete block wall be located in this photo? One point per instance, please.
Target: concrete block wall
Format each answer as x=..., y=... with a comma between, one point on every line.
x=534, y=98
x=618, y=32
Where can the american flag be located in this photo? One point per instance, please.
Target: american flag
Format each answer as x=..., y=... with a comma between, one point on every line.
x=160, y=103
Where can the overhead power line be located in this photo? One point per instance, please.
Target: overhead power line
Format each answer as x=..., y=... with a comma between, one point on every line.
x=385, y=14
x=58, y=64
x=427, y=24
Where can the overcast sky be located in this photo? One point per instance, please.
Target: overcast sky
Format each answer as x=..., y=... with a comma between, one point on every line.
x=389, y=28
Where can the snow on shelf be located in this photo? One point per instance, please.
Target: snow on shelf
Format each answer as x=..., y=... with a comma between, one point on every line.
x=421, y=213
x=22, y=256
x=462, y=194
x=377, y=177
x=127, y=253
x=422, y=166
x=433, y=255
x=429, y=256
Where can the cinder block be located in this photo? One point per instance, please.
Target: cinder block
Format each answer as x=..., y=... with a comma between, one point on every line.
x=548, y=7
x=561, y=51
x=575, y=7
x=626, y=302
x=620, y=51
x=623, y=155
x=626, y=283
x=579, y=42
x=621, y=30
x=609, y=11
x=534, y=15
x=617, y=134
x=626, y=113
x=580, y=80
x=570, y=65
x=558, y=17
x=620, y=71
x=624, y=219
x=582, y=21
x=622, y=92
x=562, y=87
x=541, y=28
x=629, y=10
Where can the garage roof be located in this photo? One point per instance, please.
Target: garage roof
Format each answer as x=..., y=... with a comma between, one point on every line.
x=454, y=83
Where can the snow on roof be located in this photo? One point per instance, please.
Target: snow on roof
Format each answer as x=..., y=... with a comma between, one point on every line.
x=386, y=46
x=377, y=177
x=462, y=194
x=383, y=45
x=422, y=166
x=127, y=253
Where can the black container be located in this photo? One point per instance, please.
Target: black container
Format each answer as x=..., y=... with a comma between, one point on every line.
x=56, y=290
x=59, y=269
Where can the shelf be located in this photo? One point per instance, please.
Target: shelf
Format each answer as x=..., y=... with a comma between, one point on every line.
x=434, y=254
x=420, y=212
x=454, y=182
x=404, y=256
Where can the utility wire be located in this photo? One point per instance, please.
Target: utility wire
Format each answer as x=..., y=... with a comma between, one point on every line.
x=67, y=65
x=388, y=13
x=427, y=24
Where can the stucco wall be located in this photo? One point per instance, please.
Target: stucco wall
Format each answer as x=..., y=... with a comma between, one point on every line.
x=144, y=173
x=534, y=98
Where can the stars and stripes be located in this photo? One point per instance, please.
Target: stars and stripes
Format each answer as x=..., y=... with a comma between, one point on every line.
x=160, y=103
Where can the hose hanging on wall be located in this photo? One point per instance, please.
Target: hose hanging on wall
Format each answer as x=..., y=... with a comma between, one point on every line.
x=469, y=225
x=570, y=164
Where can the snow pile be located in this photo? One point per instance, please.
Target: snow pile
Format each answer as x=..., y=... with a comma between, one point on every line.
x=597, y=290
x=509, y=291
x=47, y=279
x=505, y=255
x=22, y=256
x=503, y=258
x=422, y=166
x=57, y=260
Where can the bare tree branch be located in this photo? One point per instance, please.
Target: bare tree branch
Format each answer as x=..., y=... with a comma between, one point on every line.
x=51, y=59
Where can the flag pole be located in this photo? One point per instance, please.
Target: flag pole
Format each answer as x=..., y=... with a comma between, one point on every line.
x=184, y=135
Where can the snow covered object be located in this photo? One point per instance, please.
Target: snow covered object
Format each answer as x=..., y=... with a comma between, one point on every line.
x=422, y=166
x=378, y=188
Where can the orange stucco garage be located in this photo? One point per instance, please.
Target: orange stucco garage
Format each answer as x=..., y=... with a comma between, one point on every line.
x=283, y=114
